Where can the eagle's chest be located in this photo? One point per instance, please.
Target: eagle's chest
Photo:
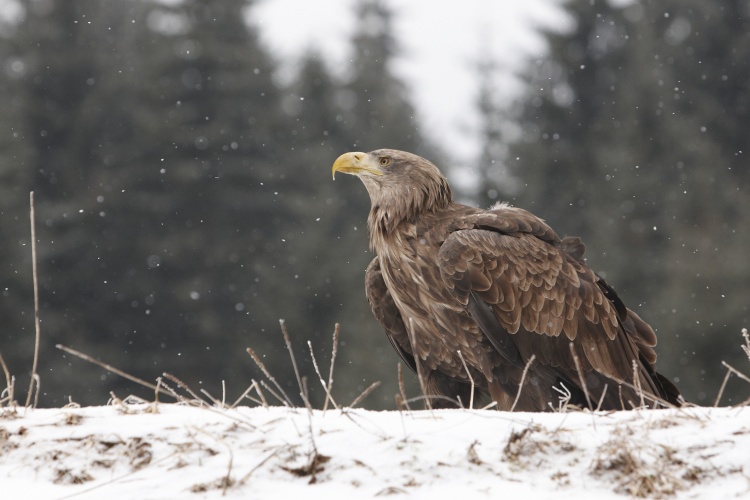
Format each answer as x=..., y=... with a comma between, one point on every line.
x=411, y=273
x=437, y=324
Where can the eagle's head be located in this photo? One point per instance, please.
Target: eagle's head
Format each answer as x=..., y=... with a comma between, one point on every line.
x=401, y=185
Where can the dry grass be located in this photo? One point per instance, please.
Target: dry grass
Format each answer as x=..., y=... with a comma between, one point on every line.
x=34, y=380
x=733, y=371
x=629, y=462
x=535, y=446
x=641, y=469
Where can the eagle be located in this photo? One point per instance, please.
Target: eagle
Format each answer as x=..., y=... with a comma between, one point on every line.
x=494, y=301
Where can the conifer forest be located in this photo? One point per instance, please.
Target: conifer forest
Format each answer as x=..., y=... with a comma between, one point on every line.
x=184, y=202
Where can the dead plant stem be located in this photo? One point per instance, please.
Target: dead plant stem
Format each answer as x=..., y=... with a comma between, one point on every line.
x=116, y=371
x=418, y=364
x=334, y=350
x=285, y=400
x=401, y=387
x=580, y=375
x=523, y=378
x=288, y=342
x=37, y=324
x=471, y=379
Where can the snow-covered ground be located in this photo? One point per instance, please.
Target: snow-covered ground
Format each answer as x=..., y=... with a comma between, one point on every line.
x=129, y=451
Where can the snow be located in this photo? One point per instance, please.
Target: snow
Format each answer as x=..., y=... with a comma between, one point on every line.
x=157, y=451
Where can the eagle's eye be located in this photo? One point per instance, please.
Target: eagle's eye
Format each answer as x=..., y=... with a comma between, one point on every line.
x=385, y=161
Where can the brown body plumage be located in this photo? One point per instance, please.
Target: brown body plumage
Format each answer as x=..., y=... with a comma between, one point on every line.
x=501, y=287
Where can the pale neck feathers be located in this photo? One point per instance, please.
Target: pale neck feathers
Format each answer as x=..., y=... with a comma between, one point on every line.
x=400, y=200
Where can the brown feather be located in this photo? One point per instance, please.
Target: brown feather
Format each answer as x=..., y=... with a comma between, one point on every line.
x=500, y=286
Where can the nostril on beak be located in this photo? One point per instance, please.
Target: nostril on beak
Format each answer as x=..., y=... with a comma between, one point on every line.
x=358, y=157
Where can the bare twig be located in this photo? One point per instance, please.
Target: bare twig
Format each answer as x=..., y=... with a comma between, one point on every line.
x=322, y=382
x=721, y=389
x=215, y=401
x=116, y=371
x=172, y=392
x=280, y=398
x=260, y=394
x=155, y=404
x=9, y=382
x=637, y=383
x=288, y=342
x=182, y=385
x=471, y=379
x=71, y=403
x=401, y=387
x=285, y=400
x=523, y=377
x=37, y=324
x=242, y=396
x=418, y=363
x=601, y=398
x=489, y=405
x=645, y=395
x=736, y=371
x=36, y=382
x=252, y=399
x=731, y=369
x=260, y=464
x=439, y=397
x=305, y=391
x=364, y=394
x=334, y=350
x=580, y=374
x=564, y=397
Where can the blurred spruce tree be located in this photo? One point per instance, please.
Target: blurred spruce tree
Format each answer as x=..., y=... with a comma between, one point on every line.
x=378, y=111
x=16, y=175
x=63, y=116
x=495, y=182
x=700, y=70
x=184, y=200
x=632, y=132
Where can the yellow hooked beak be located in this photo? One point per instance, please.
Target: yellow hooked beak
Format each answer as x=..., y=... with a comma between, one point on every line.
x=355, y=163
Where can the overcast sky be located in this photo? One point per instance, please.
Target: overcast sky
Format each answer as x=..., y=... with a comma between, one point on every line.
x=440, y=42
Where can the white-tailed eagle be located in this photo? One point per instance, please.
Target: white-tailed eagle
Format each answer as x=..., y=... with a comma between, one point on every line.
x=500, y=287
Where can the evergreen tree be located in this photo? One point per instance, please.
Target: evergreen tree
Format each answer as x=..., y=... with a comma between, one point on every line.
x=183, y=197
x=16, y=335
x=379, y=111
x=629, y=117
x=699, y=58
x=495, y=183
x=151, y=130
x=207, y=273
x=59, y=114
